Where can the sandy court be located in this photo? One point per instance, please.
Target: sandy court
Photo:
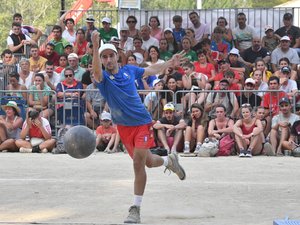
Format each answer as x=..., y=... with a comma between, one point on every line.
x=57, y=189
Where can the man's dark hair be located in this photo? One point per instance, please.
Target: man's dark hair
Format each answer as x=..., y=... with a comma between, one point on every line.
x=14, y=75
x=15, y=24
x=273, y=78
x=69, y=69
x=288, y=16
x=177, y=18
x=49, y=63
x=6, y=51
x=17, y=15
x=241, y=14
x=57, y=27
x=194, y=12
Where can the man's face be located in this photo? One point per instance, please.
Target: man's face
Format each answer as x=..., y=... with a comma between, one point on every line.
x=18, y=20
x=109, y=59
x=194, y=18
x=145, y=33
x=288, y=22
x=256, y=44
x=56, y=34
x=233, y=58
x=49, y=50
x=49, y=70
x=249, y=87
x=106, y=26
x=73, y=62
x=25, y=66
x=16, y=30
x=68, y=50
x=34, y=52
x=285, y=108
x=273, y=85
x=285, y=44
x=223, y=86
x=124, y=34
x=7, y=58
x=169, y=114
x=241, y=20
x=230, y=79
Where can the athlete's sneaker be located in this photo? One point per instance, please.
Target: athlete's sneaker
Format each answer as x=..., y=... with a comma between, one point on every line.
x=134, y=215
x=25, y=150
x=174, y=166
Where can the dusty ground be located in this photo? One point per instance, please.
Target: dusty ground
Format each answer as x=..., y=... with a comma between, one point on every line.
x=57, y=189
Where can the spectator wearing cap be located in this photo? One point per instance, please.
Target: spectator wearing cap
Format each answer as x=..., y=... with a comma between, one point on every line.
x=107, y=135
x=218, y=44
x=223, y=67
x=155, y=30
x=291, y=31
x=248, y=96
x=107, y=32
x=235, y=63
x=282, y=51
x=37, y=62
x=126, y=42
x=90, y=27
x=256, y=51
x=10, y=126
x=147, y=39
x=169, y=129
x=81, y=44
x=243, y=33
x=271, y=99
x=50, y=54
x=178, y=31
x=286, y=84
x=58, y=41
x=271, y=40
x=228, y=99
x=152, y=99
x=74, y=64
x=131, y=22
x=172, y=44
x=69, y=48
x=281, y=125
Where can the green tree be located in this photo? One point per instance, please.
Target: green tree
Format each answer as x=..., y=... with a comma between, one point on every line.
x=168, y=4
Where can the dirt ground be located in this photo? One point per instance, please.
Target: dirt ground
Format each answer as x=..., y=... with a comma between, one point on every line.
x=57, y=189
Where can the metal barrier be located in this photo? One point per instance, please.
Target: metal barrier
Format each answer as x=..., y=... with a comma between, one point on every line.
x=186, y=103
x=256, y=17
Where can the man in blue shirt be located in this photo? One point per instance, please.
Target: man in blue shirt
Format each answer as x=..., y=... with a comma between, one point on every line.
x=134, y=123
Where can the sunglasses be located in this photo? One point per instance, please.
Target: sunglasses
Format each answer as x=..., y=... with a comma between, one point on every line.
x=68, y=75
x=131, y=21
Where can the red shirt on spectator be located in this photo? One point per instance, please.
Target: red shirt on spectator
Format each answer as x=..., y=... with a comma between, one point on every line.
x=220, y=76
x=271, y=101
x=81, y=48
x=205, y=70
x=54, y=58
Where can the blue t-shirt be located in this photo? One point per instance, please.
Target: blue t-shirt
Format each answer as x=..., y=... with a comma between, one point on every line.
x=121, y=95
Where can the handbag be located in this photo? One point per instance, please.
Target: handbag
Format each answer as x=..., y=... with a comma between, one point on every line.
x=225, y=145
x=209, y=148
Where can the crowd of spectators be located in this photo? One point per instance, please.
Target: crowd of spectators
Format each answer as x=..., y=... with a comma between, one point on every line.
x=232, y=83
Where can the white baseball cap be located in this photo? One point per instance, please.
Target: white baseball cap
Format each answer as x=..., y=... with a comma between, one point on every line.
x=168, y=29
x=285, y=38
x=234, y=51
x=106, y=20
x=156, y=81
x=105, y=116
x=72, y=55
x=107, y=46
x=250, y=80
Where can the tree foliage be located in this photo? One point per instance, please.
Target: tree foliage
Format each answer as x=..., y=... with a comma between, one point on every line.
x=168, y=4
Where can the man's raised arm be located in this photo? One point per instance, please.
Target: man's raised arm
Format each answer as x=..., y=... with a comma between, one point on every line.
x=97, y=65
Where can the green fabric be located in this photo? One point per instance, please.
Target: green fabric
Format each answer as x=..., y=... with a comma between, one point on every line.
x=106, y=36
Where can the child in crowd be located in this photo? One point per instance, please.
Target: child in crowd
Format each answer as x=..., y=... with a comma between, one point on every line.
x=178, y=31
x=261, y=65
x=152, y=99
x=271, y=40
x=107, y=136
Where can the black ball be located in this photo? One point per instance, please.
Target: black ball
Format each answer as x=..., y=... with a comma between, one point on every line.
x=79, y=142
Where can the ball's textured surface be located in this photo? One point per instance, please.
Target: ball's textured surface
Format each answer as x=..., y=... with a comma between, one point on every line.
x=79, y=142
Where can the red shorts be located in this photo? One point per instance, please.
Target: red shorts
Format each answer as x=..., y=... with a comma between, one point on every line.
x=136, y=137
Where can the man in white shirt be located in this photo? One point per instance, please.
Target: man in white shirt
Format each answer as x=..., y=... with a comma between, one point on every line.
x=126, y=42
x=51, y=78
x=243, y=33
x=147, y=39
x=201, y=29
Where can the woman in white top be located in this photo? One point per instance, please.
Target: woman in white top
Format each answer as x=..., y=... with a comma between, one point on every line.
x=260, y=85
x=69, y=33
x=10, y=126
x=153, y=53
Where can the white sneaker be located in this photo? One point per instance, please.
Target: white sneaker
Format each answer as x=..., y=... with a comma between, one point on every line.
x=25, y=150
x=134, y=215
